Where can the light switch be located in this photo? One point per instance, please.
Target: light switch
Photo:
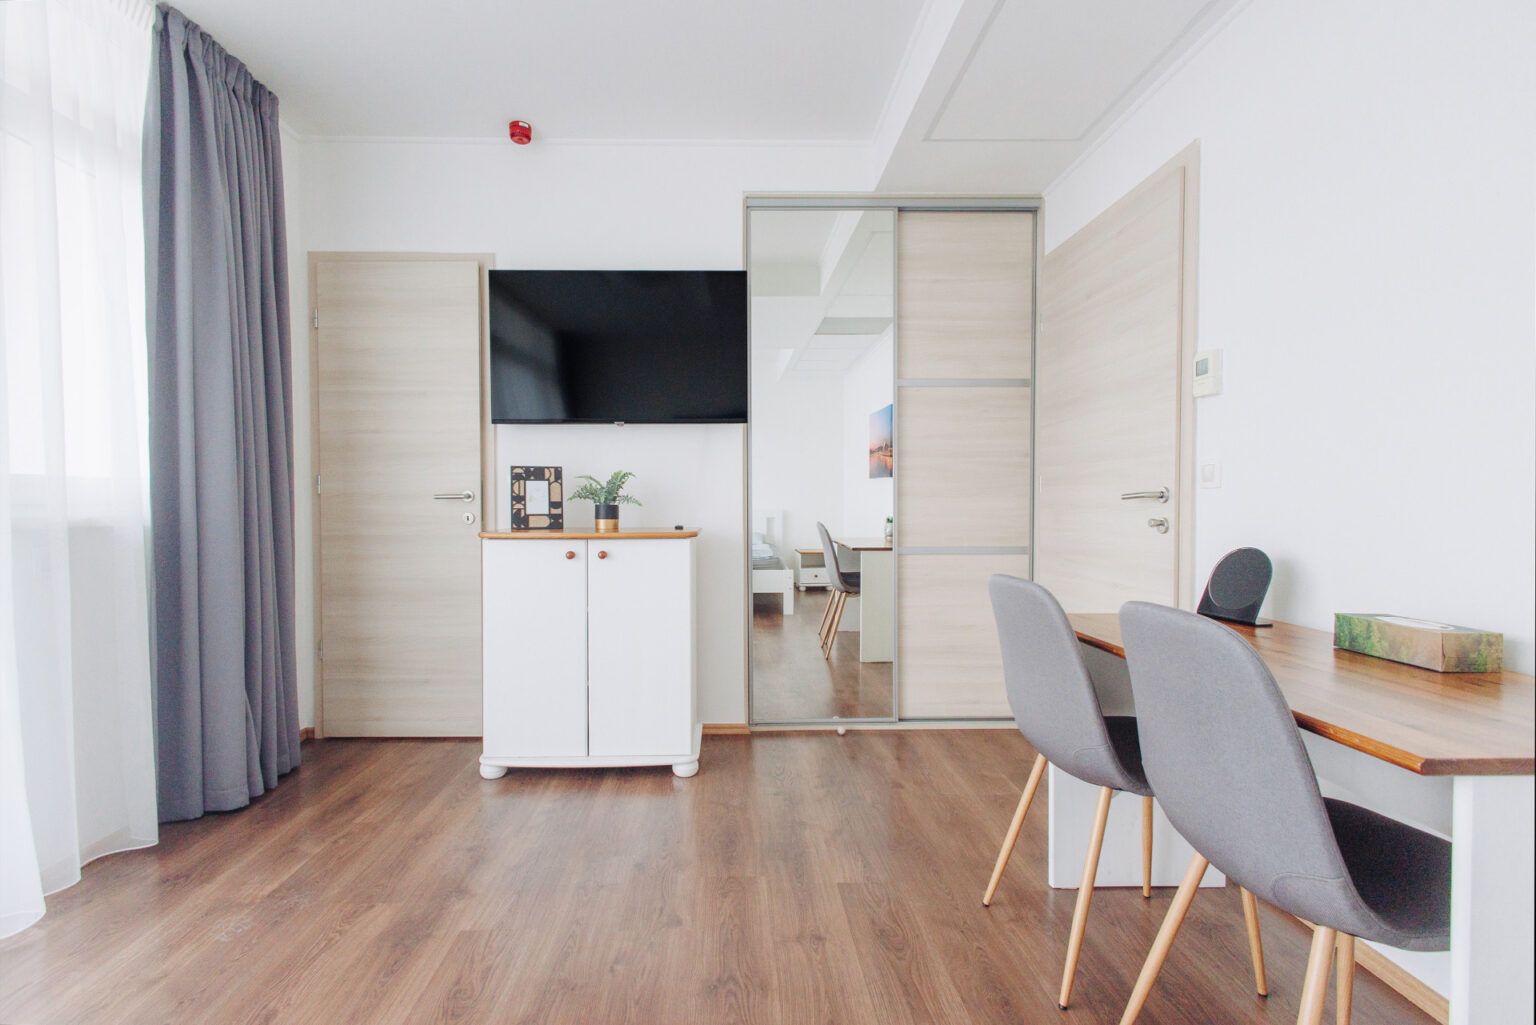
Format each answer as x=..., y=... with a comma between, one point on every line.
x=1207, y=373
x=1210, y=475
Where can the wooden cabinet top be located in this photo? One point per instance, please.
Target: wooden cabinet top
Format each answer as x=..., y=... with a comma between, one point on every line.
x=1434, y=724
x=585, y=535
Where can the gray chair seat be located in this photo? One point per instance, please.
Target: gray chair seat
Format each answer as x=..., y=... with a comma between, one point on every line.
x=851, y=581
x=1383, y=855
x=1126, y=743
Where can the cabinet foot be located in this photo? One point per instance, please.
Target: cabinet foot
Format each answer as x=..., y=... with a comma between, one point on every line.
x=686, y=769
x=492, y=771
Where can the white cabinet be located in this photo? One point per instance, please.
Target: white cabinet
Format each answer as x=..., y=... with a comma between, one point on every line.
x=589, y=653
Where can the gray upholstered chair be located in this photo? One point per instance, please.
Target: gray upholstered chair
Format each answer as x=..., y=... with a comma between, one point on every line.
x=1222, y=749
x=842, y=585
x=1057, y=709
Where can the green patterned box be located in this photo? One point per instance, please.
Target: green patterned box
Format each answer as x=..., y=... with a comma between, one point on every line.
x=1419, y=642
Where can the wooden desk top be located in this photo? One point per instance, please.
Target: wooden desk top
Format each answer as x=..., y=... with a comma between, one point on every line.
x=863, y=544
x=1435, y=724
x=585, y=535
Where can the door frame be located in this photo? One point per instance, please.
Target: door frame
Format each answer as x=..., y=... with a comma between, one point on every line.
x=487, y=430
x=897, y=203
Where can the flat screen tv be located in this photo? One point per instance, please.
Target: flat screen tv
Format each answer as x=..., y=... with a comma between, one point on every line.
x=640, y=347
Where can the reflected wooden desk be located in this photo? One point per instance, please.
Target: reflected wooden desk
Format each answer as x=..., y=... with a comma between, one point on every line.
x=877, y=597
x=1477, y=728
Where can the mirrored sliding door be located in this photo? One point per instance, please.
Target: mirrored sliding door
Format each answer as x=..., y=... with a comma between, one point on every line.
x=822, y=480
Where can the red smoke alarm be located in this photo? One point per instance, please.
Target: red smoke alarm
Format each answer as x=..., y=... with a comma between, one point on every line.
x=520, y=131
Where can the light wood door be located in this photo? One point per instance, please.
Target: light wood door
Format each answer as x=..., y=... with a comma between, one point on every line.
x=535, y=648
x=398, y=421
x=1109, y=404
x=965, y=346
x=640, y=647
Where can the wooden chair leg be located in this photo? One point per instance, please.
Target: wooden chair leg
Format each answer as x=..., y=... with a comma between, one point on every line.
x=1255, y=942
x=1012, y=838
x=1344, y=987
x=826, y=618
x=1146, y=846
x=1314, y=991
x=837, y=621
x=1084, y=896
x=831, y=635
x=1165, y=937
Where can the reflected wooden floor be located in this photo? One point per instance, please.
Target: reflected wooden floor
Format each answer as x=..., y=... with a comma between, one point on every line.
x=792, y=682
x=799, y=878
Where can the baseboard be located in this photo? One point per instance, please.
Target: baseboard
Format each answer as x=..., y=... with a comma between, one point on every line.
x=726, y=729
x=306, y=734
x=1406, y=984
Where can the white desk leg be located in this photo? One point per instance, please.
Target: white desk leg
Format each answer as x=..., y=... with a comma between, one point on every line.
x=1492, y=864
x=877, y=607
x=1072, y=804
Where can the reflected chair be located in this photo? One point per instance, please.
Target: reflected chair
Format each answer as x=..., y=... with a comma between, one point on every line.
x=1224, y=753
x=1057, y=710
x=841, y=586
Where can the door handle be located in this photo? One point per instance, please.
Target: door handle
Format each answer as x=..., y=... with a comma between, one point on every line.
x=1161, y=494
x=455, y=496
x=1159, y=524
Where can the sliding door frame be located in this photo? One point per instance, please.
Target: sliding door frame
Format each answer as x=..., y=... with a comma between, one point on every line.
x=897, y=203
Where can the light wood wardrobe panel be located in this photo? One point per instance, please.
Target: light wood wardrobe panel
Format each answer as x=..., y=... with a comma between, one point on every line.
x=965, y=294
x=951, y=665
x=965, y=350
x=964, y=452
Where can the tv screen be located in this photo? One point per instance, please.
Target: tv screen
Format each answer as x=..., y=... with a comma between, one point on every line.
x=642, y=347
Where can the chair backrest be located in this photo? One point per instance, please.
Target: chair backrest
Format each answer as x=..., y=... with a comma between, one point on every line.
x=1049, y=689
x=1221, y=749
x=829, y=555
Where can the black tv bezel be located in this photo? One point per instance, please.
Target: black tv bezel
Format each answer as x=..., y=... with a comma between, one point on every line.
x=703, y=421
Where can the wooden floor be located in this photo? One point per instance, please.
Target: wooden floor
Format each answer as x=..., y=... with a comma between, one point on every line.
x=791, y=682
x=799, y=878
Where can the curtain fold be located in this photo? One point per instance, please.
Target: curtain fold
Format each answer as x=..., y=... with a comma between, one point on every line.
x=221, y=419
x=77, y=776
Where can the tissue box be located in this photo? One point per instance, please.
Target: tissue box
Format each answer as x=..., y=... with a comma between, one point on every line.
x=1419, y=642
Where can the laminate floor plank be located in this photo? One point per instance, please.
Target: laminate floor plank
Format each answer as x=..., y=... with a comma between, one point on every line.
x=800, y=878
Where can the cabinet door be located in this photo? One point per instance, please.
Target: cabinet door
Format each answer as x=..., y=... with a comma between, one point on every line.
x=535, y=648
x=640, y=647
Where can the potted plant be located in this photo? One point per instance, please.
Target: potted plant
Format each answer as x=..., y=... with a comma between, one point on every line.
x=606, y=498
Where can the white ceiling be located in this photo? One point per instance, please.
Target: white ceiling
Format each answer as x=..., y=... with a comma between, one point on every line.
x=949, y=96
x=823, y=287
x=1019, y=88
x=576, y=69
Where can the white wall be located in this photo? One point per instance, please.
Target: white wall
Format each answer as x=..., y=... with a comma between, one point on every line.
x=797, y=472
x=1367, y=265
x=578, y=206
x=867, y=386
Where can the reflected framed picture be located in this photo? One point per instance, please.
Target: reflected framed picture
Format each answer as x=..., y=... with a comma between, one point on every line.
x=880, y=449
x=538, y=498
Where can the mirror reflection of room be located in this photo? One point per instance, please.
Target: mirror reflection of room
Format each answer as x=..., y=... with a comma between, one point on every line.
x=822, y=465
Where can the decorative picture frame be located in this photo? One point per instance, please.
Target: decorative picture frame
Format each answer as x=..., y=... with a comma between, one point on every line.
x=538, y=498
x=881, y=435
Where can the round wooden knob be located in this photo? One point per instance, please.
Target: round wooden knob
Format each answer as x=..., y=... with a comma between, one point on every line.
x=570, y=555
x=602, y=555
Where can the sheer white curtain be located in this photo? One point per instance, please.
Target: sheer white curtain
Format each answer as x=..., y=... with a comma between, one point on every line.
x=77, y=775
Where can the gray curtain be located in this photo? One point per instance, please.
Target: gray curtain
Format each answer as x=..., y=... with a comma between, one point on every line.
x=220, y=430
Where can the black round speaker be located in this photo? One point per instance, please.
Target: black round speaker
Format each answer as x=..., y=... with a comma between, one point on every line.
x=1237, y=586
